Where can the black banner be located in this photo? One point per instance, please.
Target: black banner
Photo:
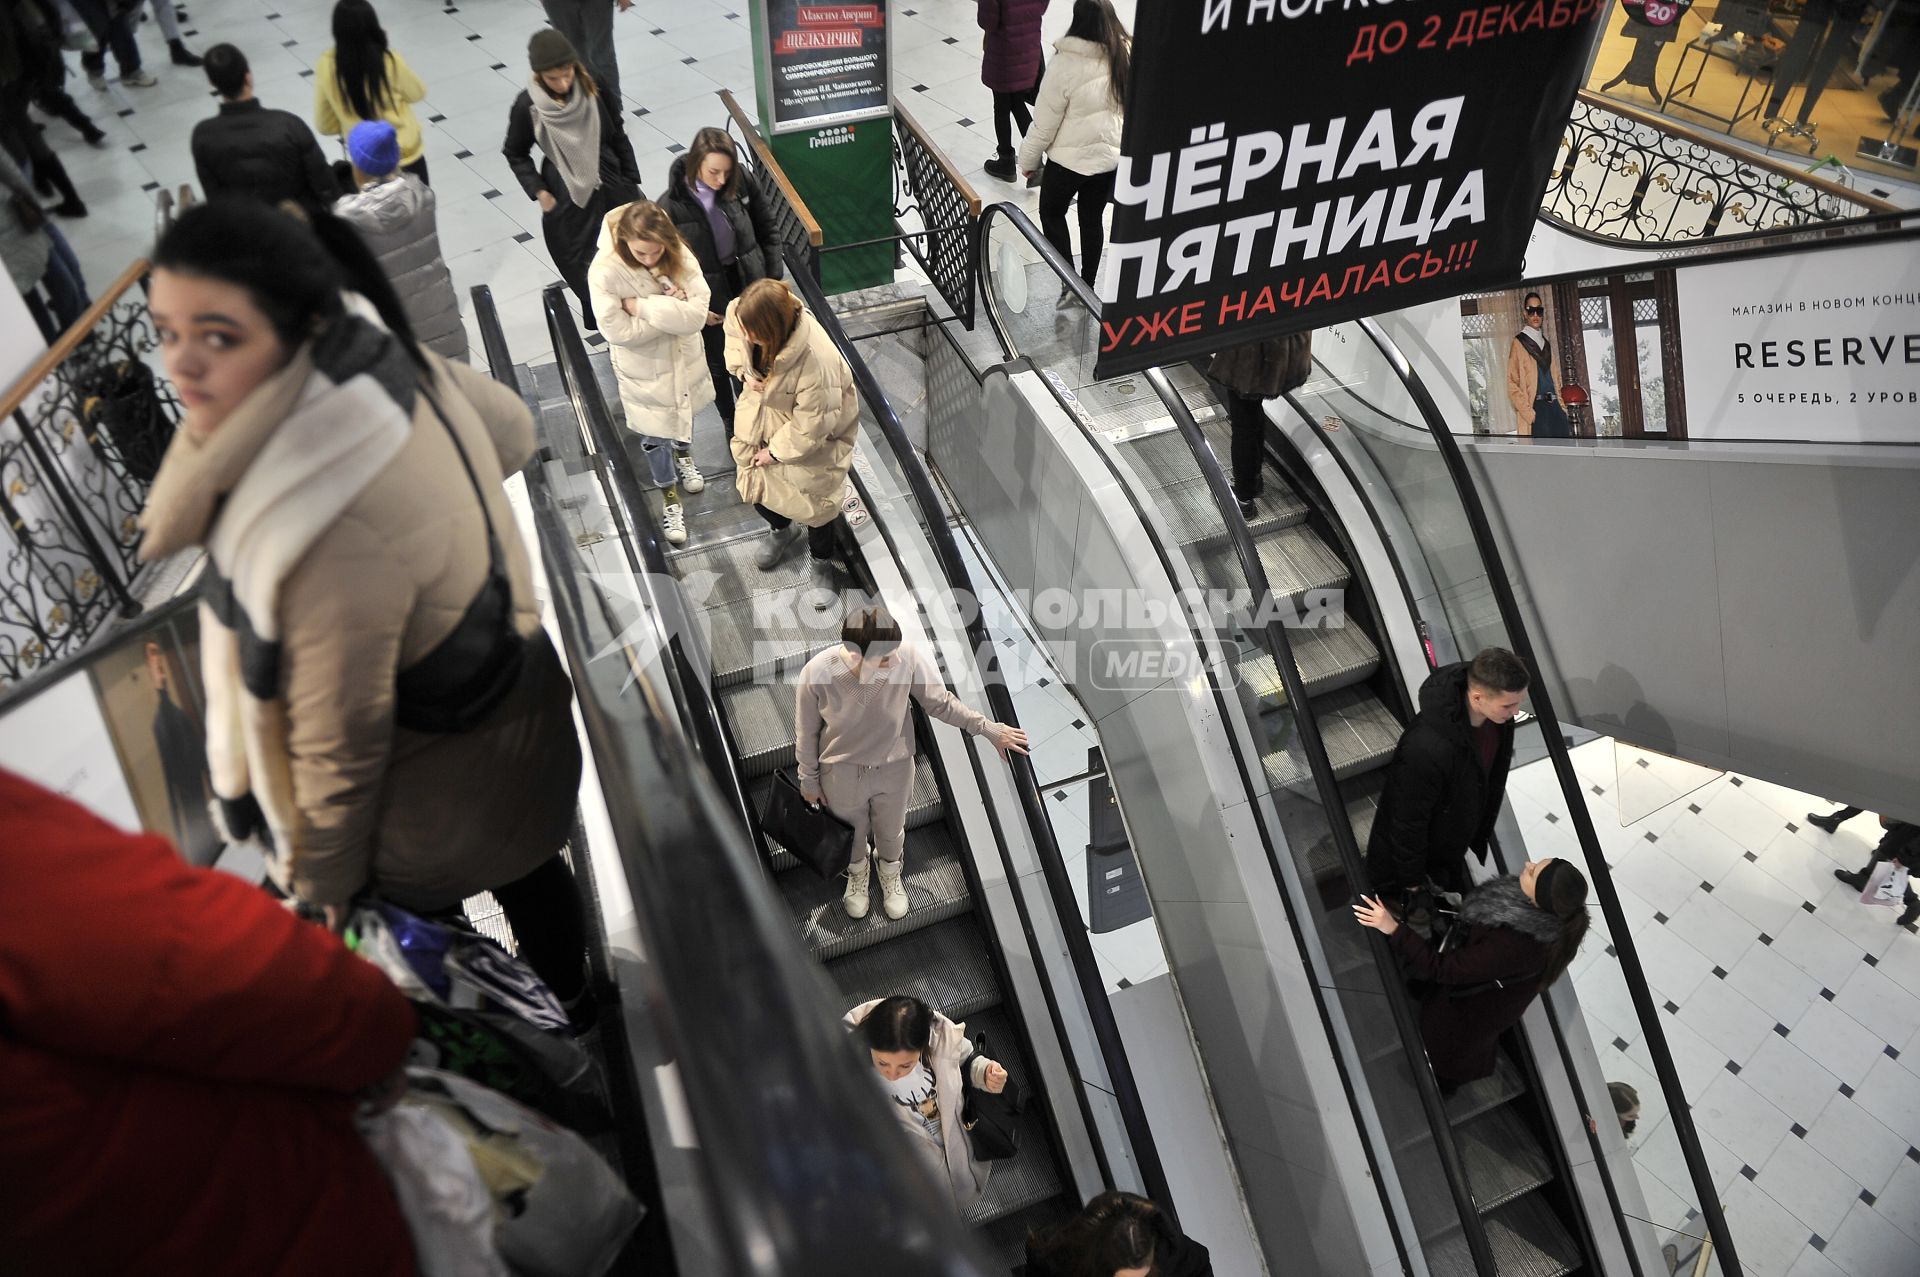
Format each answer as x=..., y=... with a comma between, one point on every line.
x=1294, y=163
x=826, y=63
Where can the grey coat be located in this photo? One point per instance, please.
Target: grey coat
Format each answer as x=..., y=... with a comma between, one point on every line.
x=396, y=219
x=24, y=252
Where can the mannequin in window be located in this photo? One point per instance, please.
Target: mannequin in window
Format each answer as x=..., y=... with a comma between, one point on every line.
x=1530, y=385
x=1824, y=36
x=1652, y=26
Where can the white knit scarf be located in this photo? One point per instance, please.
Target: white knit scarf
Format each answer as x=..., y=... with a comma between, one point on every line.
x=568, y=132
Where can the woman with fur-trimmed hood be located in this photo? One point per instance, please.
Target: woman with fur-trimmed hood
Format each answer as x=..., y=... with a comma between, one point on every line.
x=1514, y=937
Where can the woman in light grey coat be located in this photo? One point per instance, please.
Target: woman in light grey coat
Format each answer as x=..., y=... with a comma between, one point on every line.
x=394, y=213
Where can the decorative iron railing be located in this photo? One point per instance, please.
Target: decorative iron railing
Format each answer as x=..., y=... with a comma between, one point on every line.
x=936, y=212
x=800, y=237
x=1626, y=175
x=81, y=434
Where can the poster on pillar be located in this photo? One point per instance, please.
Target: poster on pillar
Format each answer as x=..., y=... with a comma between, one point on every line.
x=823, y=64
x=1287, y=164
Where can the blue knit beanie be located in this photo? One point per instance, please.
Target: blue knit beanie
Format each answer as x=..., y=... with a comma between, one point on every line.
x=374, y=148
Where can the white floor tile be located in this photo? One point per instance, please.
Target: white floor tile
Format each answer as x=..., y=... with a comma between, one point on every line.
x=1657, y=878
x=1838, y=1043
x=1702, y=848
x=1874, y=928
x=1881, y=1005
x=1857, y=1142
x=1742, y=817
x=1890, y=1094
x=1674, y=968
x=1661, y=1155
x=1739, y=1117
x=1813, y=1263
x=1899, y=1201
x=1798, y=865
x=1817, y=949
x=1818, y=1193
x=1767, y=1238
x=1868, y=1246
x=1791, y=1080
x=1728, y=1019
x=1759, y=897
x=1715, y=930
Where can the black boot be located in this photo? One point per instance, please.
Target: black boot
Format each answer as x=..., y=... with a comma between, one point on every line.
x=1907, y=916
x=1857, y=879
x=182, y=55
x=1827, y=823
x=1000, y=167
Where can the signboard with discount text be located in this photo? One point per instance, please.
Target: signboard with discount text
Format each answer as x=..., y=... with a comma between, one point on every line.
x=824, y=64
x=1816, y=346
x=1293, y=163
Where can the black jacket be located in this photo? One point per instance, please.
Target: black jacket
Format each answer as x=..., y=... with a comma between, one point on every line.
x=252, y=150
x=617, y=164
x=1439, y=802
x=756, y=238
x=1900, y=842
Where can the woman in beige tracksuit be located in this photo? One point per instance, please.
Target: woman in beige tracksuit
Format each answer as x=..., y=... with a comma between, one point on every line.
x=854, y=741
x=922, y=1058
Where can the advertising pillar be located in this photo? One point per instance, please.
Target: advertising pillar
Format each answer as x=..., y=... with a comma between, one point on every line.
x=823, y=78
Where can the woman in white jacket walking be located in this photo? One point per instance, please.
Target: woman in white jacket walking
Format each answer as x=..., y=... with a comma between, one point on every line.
x=651, y=301
x=925, y=1062
x=1076, y=125
x=854, y=742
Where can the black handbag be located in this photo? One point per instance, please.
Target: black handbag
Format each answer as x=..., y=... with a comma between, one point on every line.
x=817, y=838
x=992, y=1122
x=123, y=399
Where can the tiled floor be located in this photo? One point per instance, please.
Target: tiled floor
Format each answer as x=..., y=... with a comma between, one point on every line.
x=1792, y=1011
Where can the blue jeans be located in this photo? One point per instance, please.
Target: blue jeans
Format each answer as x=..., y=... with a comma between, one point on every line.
x=66, y=287
x=660, y=456
x=110, y=31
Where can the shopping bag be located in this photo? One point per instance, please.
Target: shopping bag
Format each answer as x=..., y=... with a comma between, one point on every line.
x=544, y=1071
x=451, y=965
x=570, y=1216
x=992, y=1121
x=1886, y=885
x=449, y=1212
x=817, y=838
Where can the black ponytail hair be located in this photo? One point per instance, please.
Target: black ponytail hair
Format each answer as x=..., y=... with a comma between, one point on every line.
x=898, y=1024
x=1113, y=1231
x=295, y=264
x=1561, y=889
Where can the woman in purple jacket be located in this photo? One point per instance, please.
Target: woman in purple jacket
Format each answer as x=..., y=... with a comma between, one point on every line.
x=1010, y=65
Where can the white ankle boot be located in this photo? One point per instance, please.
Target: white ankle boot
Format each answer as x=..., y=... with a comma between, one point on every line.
x=893, y=892
x=855, y=899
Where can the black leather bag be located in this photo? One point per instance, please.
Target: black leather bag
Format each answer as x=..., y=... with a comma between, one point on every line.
x=992, y=1122
x=817, y=838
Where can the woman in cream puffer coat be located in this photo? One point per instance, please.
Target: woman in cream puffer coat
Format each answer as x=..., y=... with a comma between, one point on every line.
x=1076, y=125
x=651, y=301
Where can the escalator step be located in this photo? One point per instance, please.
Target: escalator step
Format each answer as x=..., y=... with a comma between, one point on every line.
x=1359, y=732
x=1504, y=1160
x=1031, y=1178
x=1295, y=558
x=1362, y=795
x=936, y=890
x=767, y=633
x=761, y=716
x=923, y=807
x=1489, y=1093
x=1527, y=1240
x=1005, y=1239
x=945, y=965
x=1328, y=659
x=724, y=573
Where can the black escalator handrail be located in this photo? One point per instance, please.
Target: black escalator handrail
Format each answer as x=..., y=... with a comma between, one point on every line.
x=1053, y=865
x=700, y=718
x=805, y=1171
x=1570, y=789
x=1280, y=648
x=494, y=341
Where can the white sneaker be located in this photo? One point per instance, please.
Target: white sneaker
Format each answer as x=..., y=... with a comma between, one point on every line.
x=690, y=478
x=855, y=899
x=141, y=79
x=673, y=520
x=893, y=892
x=97, y=81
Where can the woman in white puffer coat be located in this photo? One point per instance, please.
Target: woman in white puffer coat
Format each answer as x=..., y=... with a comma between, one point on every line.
x=1076, y=125
x=651, y=301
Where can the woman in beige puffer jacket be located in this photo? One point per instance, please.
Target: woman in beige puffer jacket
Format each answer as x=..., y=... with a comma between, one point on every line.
x=651, y=301
x=794, y=428
x=1076, y=126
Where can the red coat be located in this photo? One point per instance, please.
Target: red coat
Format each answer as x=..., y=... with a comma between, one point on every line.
x=178, y=1062
x=1010, y=56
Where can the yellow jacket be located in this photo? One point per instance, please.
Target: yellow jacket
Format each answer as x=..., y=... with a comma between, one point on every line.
x=335, y=116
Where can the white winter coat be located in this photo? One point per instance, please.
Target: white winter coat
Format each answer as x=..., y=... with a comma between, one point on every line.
x=658, y=358
x=947, y=1052
x=1075, y=123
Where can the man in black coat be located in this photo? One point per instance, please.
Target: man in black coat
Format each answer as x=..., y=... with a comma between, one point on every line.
x=1900, y=844
x=1448, y=774
x=249, y=150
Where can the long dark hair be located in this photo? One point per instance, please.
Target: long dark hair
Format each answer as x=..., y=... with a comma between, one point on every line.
x=360, y=58
x=1565, y=897
x=1115, y=1230
x=1095, y=20
x=898, y=1024
x=295, y=268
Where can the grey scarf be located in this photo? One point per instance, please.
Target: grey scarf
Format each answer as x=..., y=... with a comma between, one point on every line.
x=569, y=134
x=1499, y=902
